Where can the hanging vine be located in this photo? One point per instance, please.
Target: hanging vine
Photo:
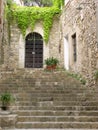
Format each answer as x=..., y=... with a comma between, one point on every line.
x=27, y=16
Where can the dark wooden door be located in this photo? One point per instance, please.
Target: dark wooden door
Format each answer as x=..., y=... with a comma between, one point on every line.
x=34, y=51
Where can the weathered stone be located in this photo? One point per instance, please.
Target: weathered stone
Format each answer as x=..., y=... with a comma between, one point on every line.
x=8, y=120
x=83, y=24
x=72, y=21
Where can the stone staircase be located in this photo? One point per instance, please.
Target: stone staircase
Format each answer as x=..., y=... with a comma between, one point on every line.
x=51, y=100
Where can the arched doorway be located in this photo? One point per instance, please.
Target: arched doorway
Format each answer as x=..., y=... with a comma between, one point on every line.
x=34, y=51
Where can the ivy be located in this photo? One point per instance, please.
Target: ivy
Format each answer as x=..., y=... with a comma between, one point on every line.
x=58, y=3
x=28, y=16
x=8, y=14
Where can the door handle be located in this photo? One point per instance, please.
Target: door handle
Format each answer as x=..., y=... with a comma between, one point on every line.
x=33, y=52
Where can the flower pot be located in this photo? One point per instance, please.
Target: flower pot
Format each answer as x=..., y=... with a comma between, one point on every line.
x=53, y=67
x=49, y=67
x=4, y=108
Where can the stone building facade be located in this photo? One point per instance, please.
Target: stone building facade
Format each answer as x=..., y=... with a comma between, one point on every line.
x=73, y=39
x=17, y=53
x=79, y=47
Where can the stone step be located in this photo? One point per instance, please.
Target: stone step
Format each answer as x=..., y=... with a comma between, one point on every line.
x=42, y=85
x=56, y=85
x=83, y=103
x=40, y=76
x=52, y=97
x=53, y=108
x=50, y=129
x=57, y=108
x=58, y=103
x=57, y=119
x=44, y=89
x=60, y=98
x=58, y=125
x=82, y=95
x=56, y=113
x=52, y=91
x=51, y=100
x=21, y=94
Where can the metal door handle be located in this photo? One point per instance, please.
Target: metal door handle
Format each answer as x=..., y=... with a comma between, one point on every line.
x=33, y=52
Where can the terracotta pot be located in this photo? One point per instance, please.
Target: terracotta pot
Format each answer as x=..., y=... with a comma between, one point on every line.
x=53, y=66
x=4, y=108
x=49, y=67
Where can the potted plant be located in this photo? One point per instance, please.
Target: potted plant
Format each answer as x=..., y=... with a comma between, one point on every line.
x=54, y=62
x=6, y=99
x=51, y=63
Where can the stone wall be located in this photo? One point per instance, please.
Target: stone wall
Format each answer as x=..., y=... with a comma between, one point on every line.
x=1, y=27
x=83, y=23
x=4, y=38
x=17, y=43
x=54, y=39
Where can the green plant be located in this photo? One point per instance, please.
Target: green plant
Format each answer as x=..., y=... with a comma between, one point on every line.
x=96, y=75
x=48, y=61
x=55, y=61
x=51, y=61
x=8, y=13
x=28, y=16
x=6, y=99
x=78, y=77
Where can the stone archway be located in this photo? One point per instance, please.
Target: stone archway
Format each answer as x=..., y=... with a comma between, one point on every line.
x=34, y=50
x=21, y=48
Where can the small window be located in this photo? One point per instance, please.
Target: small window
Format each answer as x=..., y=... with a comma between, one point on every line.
x=74, y=47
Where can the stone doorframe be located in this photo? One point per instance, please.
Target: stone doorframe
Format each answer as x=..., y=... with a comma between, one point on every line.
x=66, y=53
x=37, y=29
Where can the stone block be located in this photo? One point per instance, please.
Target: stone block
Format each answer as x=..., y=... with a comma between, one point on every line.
x=7, y=120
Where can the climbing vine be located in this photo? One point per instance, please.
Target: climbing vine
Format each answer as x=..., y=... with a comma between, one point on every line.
x=28, y=16
x=8, y=12
x=58, y=3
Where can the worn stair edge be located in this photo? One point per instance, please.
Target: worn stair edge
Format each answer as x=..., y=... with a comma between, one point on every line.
x=50, y=129
x=62, y=125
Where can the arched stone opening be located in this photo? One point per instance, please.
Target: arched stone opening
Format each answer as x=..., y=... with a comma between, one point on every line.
x=22, y=42
x=34, y=50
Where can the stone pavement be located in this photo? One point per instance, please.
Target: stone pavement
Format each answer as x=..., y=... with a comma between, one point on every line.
x=50, y=101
